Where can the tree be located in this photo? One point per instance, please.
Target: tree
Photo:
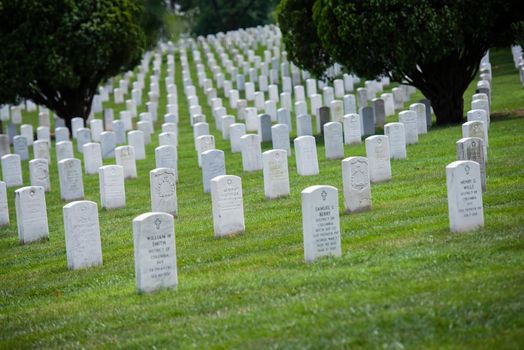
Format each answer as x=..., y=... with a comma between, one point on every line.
x=57, y=52
x=434, y=45
x=225, y=15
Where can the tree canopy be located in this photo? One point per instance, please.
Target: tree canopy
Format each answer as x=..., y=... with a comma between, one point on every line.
x=225, y=15
x=434, y=45
x=57, y=52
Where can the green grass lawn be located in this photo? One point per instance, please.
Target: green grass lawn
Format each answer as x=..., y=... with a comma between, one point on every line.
x=403, y=281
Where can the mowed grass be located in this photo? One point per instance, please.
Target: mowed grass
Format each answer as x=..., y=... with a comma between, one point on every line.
x=403, y=281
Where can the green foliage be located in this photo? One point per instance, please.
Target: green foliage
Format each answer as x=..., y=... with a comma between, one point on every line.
x=433, y=45
x=225, y=15
x=56, y=52
x=300, y=36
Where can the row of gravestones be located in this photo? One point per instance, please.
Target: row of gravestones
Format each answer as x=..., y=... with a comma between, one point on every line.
x=466, y=177
x=518, y=59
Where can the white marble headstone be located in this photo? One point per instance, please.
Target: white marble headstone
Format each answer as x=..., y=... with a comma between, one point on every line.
x=163, y=190
x=276, y=175
x=112, y=188
x=31, y=214
x=356, y=183
x=228, y=205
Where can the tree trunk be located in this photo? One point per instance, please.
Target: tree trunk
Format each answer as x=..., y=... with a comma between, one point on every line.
x=448, y=107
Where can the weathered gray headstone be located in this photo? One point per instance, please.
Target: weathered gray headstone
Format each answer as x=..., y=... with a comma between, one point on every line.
x=476, y=128
x=61, y=134
x=368, y=122
x=4, y=145
x=20, y=147
x=119, y=132
x=379, y=111
x=264, y=127
x=108, y=144
x=427, y=103
x=304, y=127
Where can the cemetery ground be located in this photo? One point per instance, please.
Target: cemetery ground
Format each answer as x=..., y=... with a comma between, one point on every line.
x=403, y=281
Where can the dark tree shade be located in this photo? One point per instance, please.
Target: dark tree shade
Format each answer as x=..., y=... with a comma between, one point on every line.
x=57, y=52
x=434, y=45
x=214, y=16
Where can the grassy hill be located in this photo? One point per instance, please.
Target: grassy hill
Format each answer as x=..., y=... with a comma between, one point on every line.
x=403, y=281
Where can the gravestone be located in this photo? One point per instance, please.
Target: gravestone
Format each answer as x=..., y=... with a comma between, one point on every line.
x=119, y=131
x=352, y=135
x=31, y=214
x=155, y=252
x=337, y=111
x=20, y=147
x=236, y=131
x=356, y=184
x=41, y=150
x=379, y=111
x=43, y=133
x=125, y=156
x=264, y=127
x=82, y=235
x=420, y=110
x=368, y=122
x=465, y=206
x=108, y=144
x=4, y=145
x=64, y=150
x=228, y=206
x=280, y=138
x=320, y=222
x=135, y=138
x=410, y=121
x=377, y=152
x=61, y=134
x=333, y=140
x=26, y=130
x=168, y=138
x=112, y=190
x=146, y=127
x=172, y=127
x=472, y=148
x=362, y=94
x=39, y=173
x=284, y=117
x=251, y=150
x=4, y=208
x=398, y=98
x=12, y=170
x=350, y=104
x=397, y=140
x=304, y=127
x=97, y=127
x=200, y=129
x=166, y=157
x=276, y=175
x=127, y=120
x=427, y=104
x=108, y=119
x=71, y=183
x=92, y=158
x=76, y=123
x=324, y=116
x=227, y=120
x=213, y=164
x=163, y=190
x=306, y=155
x=204, y=143
x=480, y=115
x=484, y=105
x=476, y=128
